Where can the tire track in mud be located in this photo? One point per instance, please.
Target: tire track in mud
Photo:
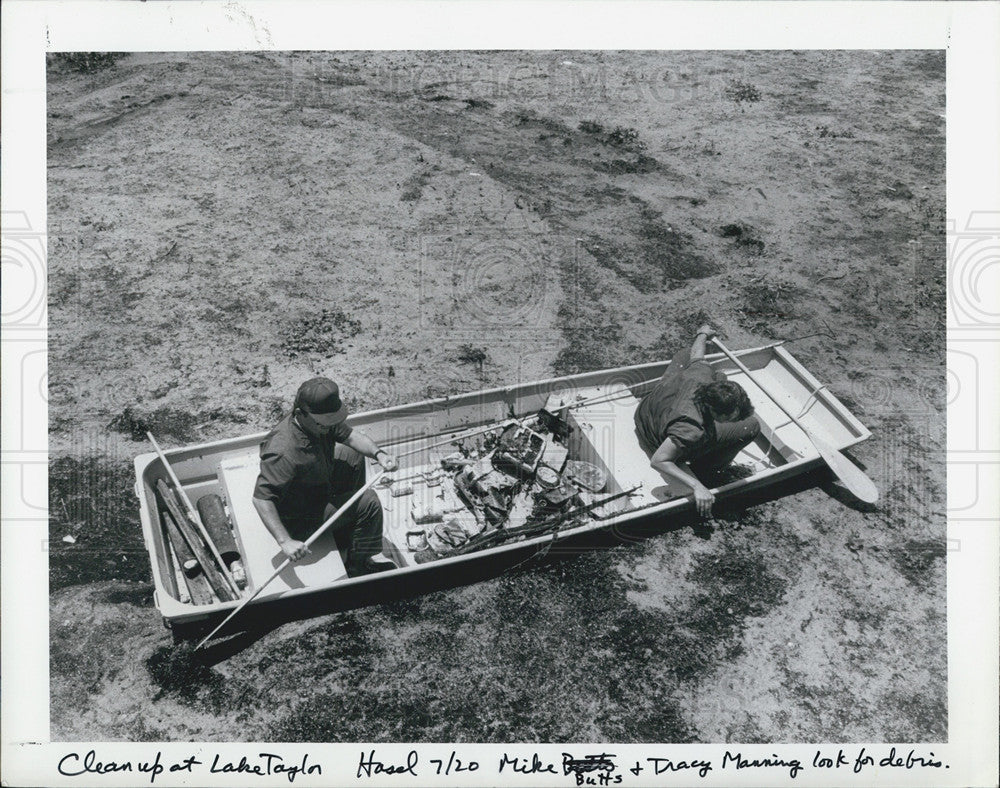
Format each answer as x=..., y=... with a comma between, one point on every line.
x=614, y=240
x=553, y=167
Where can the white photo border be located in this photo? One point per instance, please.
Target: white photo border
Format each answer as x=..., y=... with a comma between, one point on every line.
x=969, y=31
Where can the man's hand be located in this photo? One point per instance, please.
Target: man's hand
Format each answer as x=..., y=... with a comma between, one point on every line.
x=703, y=500
x=294, y=549
x=387, y=461
x=707, y=330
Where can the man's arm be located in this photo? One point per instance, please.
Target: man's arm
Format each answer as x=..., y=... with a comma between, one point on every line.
x=664, y=460
x=268, y=512
x=705, y=333
x=362, y=444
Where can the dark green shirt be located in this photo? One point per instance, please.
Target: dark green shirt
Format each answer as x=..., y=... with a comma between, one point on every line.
x=669, y=411
x=296, y=468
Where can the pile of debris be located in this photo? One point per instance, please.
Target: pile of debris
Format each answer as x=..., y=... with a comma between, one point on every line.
x=516, y=481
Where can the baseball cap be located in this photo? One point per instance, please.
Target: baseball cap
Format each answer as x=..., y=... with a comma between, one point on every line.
x=320, y=398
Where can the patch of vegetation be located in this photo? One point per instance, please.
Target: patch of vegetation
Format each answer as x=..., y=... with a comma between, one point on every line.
x=168, y=422
x=592, y=335
x=524, y=657
x=92, y=502
x=639, y=164
x=651, y=258
x=413, y=187
x=735, y=584
x=78, y=661
x=622, y=137
x=470, y=354
x=669, y=251
x=826, y=131
x=227, y=309
x=589, y=348
x=761, y=303
x=915, y=560
x=322, y=333
x=744, y=236
x=619, y=136
x=182, y=674
x=531, y=119
x=87, y=62
x=742, y=92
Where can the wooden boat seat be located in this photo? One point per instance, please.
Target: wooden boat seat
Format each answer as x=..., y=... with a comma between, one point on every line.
x=261, y=554
x=605, y=435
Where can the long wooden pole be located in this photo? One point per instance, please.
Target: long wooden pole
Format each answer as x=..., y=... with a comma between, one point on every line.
x=193, y=516
x=284, y=564
x=188, y=535
x=853, y=478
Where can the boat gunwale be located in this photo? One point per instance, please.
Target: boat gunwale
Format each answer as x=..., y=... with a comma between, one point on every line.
x=453, y=400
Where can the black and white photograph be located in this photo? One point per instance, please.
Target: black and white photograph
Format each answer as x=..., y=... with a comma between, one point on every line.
x=498, y=396
x=477, y=301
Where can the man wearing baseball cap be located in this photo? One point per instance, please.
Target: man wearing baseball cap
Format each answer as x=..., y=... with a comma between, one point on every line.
x=310, y=464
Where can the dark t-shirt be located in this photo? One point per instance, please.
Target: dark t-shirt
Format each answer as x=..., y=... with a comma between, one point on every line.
x=669, y=411
x=296, y=468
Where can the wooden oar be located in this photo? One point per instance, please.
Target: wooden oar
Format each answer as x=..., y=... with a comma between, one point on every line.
x=630, y=387
x=852, y=477
x=284, y=564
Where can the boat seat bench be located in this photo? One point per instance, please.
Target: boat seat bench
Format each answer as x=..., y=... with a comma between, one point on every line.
x=262, y=555
x=605, y=435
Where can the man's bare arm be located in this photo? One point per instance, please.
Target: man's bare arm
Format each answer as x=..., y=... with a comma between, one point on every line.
x=664, y=460
x=698, y=348
x=362, y=444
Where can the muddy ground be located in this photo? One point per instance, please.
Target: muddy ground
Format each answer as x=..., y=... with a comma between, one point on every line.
x=413, y=224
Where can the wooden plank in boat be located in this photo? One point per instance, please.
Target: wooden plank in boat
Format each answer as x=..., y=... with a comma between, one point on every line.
x=607, y=430
x=321, y=567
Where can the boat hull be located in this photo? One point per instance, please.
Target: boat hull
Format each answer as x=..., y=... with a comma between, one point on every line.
x=603, y=435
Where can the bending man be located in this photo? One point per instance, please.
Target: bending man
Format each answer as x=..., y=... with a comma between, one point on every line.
x=310, y=464
x=693, y=414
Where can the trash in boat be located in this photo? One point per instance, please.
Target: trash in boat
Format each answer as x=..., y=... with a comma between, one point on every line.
x=519, y=491
x=518, y=451
x=424, y=512
x=416, y=541
x=455, y=461
x=466, y=521
x=586, y=474
x=547, y=477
